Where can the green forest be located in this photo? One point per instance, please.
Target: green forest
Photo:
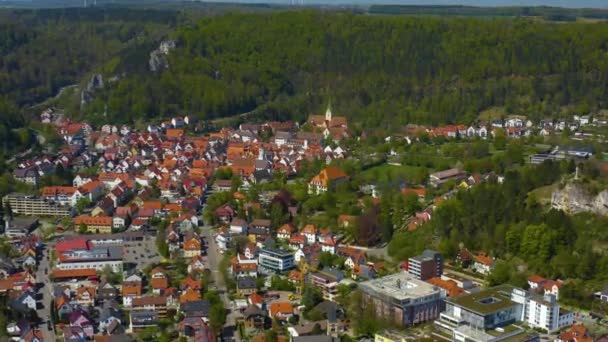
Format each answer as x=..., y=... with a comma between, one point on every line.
x=378, y=70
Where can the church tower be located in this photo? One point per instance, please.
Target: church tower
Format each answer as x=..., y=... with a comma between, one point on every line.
x=328, y=113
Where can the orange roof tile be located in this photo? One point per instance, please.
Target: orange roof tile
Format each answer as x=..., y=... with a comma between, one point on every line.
x=174, y=133
x=328, y=174
x=93, y=221
x=81, y=273
x=449, y=286
x=285, y=308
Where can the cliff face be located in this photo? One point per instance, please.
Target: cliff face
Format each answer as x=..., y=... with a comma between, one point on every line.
x=573, y=198
x=158, y=58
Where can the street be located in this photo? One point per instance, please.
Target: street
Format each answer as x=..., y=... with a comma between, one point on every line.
x=214, y=258
x=44, y=311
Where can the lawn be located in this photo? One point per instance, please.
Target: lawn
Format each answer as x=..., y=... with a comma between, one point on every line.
x=394, y=174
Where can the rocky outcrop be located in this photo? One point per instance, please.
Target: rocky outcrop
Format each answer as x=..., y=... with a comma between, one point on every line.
x=86, y=95
x=573, y=198
x=158, y=58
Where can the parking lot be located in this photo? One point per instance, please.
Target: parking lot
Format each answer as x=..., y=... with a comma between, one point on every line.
x=141, y=253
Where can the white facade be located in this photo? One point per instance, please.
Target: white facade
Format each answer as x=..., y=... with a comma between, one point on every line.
x=116, y=265
x=544, y=312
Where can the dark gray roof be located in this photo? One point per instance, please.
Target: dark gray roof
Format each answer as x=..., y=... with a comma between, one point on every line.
x=196, y=308
x=247, y=283
x=253, y=310
x=144, y=317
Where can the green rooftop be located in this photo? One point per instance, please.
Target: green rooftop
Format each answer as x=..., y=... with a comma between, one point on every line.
x=485, y=301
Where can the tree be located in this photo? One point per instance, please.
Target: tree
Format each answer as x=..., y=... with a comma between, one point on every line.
x=277, y=215
x=500, y=274
x=82, y=204
x=217, y=317
x=271, y=336
x=82, y=228
x=311, y=297
x=500, y=139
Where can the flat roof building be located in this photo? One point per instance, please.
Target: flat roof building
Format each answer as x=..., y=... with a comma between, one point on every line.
x=30, y=205
x=403, y=298
x=493, y=314
x=275, y=260
x=427, y=265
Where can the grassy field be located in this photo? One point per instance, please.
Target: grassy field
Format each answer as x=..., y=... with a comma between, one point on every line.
x=543, y=194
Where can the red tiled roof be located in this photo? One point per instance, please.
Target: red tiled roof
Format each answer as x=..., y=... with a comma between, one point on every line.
x=81, y=273
x=71, y=244
x=536, y=279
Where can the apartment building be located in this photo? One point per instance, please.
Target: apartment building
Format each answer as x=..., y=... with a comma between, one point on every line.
x=427, y=265
x=24, y=204
x=327, y=281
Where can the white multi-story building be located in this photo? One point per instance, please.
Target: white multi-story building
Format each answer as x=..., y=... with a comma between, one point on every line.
x=275, y=260
x=544, y=312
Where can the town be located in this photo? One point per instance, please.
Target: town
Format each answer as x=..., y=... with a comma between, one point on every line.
x=283, y=231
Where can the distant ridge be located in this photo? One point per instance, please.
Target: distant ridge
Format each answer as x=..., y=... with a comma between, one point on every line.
x=603, y=4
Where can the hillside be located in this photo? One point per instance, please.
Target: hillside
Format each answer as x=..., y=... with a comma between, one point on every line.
x=377, y=70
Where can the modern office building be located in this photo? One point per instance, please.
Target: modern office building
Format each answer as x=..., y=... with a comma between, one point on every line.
x=275, y=260
x=403, y=299
x=493, y=314
x=23, y=204
x=427, y=265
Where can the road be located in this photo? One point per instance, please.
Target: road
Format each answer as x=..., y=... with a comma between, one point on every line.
x=44, y=311
x=214, y=258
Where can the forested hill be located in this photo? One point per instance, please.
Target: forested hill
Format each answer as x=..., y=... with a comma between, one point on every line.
x=375, y=69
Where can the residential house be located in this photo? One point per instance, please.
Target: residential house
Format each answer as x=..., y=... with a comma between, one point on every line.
x=153, y=303
x=159, y=281
x=552, y=287
x=310, y=232
x=285, y=231
x=255, y=318
x=576, y=333
x=246, y=285
x=24, y=302
x=439, y=178
x=196, y=265
x=238, y=226
x=280, y=310
x=192, y=246
x=483, y=264
x=85, y=295
x=143, y=319
x=107, y=292
x=224, y=214
x=327, y=179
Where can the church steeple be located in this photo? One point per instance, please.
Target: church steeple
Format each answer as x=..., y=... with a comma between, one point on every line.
x=328, y=112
